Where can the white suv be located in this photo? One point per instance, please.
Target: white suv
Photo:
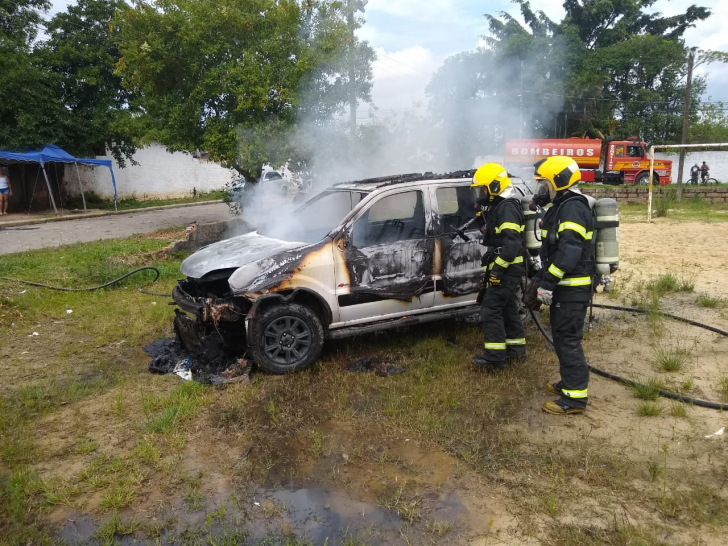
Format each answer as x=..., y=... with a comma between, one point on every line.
x=358, y=258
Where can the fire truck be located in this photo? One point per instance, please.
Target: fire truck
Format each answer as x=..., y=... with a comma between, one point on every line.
x=625, y=162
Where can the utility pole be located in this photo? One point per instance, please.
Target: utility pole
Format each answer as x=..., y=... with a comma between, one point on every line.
x=686, y=120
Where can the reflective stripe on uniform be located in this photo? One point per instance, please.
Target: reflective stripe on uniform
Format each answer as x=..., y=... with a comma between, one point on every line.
x=544, y=233
x=574, y=394
x=495, y=346
x=510, y=225
x=573, y=226
x=576, y=281
x=501, y=262
x=521, y=341
x=556, y=272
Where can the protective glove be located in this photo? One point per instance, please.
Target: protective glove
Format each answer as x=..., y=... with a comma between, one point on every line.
x=545, y=296
x=494, y=280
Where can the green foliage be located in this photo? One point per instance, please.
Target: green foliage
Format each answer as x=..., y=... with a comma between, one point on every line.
x=233, y=77
x=608, y=69
x=81, y=52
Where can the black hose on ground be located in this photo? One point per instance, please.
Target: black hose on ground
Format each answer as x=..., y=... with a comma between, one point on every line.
x=106, y=285
x=631, y=383
x=667, y=315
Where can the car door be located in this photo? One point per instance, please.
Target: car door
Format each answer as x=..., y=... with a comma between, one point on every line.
x=385, y=259
x=460, y=275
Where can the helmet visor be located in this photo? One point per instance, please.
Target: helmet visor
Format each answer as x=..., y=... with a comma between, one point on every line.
x=481, y=195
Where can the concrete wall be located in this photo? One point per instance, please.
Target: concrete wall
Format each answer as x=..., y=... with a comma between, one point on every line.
x=631, y=194
x=158, y=175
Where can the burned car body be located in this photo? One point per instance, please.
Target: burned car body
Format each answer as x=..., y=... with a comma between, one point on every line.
x=359, y=257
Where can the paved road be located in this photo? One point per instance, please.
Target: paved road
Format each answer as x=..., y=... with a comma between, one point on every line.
x=18, y=239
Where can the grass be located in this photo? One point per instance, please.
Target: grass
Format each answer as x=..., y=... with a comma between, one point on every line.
x=689, y=210
x=647, y=391
x=131, y=203
x=723, y=388
x=708, y=302
x=671, y=360
x=668, y=282
x=649, y=409
x=131, y=437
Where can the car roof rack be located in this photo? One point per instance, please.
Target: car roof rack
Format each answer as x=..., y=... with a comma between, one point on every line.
x=413, y=177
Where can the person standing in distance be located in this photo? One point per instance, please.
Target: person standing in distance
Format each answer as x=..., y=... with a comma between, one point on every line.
x=566, y=281
x=6, y=191
x=503, y=263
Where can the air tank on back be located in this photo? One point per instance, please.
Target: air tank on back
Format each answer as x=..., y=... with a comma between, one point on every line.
x=607, y=243
x=533, y=243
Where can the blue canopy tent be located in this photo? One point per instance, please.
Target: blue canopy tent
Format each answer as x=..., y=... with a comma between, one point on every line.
x=51, y=154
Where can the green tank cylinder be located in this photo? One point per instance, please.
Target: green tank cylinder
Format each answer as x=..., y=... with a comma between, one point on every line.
x=607, y=243
x=532, y=242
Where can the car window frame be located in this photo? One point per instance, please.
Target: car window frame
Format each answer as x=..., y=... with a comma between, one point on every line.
x=345, y=231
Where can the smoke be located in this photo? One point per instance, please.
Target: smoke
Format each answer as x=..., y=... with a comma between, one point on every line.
x=476, y=101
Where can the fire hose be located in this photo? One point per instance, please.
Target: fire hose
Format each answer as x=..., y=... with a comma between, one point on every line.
x=93, y=288
x=630, y=382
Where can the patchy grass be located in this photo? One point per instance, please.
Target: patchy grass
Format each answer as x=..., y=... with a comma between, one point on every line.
x=723, y=388
x=166, y=413
x=668, y=282
x=131, y=203
x=709, y=302
x=649, y=409
x=689, y=210
x=671, y=360
x=120, y=439
x=647, y=391
x=679, y=410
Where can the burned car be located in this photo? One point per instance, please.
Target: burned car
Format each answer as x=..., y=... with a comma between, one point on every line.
x=357, y=258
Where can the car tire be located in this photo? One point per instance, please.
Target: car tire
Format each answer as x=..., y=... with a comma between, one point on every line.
x=286, y=338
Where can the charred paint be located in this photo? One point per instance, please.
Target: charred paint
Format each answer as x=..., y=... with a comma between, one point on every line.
x=461, y=271
x=399, y=270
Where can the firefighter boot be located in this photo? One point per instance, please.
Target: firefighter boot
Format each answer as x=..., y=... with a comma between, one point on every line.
x=557, y=407
x=487, y=365
x=553, y=388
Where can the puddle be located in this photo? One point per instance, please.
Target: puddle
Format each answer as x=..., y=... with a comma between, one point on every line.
x=320, y=515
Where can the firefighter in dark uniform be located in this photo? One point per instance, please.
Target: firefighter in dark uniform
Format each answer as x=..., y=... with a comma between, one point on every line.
x=565, y=281
x=503, y=263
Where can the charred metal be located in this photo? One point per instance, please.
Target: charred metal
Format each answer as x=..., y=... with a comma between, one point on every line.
x=385, y=259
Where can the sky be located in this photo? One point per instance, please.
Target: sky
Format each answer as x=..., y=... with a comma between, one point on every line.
x=413, y=38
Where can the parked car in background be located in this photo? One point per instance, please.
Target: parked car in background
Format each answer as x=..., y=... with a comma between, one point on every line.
x=357, y=258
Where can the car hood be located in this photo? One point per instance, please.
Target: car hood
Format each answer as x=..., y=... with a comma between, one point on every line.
x=234, y=253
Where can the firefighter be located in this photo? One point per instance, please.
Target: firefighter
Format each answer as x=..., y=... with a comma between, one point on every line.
x=503, y=265
x=565, y=282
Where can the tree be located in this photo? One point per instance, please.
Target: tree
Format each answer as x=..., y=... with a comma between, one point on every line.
x=234, y=77
x=81, y=52
x=608, y=69
x=31, y=113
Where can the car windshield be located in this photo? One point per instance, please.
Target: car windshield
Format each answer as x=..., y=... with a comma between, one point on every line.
x=315, y=219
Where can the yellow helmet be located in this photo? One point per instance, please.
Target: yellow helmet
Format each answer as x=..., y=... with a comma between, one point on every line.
x=561, y=171
x=493, y=177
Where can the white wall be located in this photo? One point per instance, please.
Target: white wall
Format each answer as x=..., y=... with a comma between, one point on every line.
x=158, y=175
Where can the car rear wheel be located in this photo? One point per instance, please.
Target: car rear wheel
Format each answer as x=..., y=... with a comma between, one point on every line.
x=286, y=338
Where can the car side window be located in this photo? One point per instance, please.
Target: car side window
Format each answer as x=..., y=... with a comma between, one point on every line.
x=398, y=217
x=456, y=206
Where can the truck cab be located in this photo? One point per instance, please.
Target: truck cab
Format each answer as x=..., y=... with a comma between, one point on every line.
x=628, y=162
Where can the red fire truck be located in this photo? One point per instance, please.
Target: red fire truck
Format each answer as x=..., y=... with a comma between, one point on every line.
x=625, y=162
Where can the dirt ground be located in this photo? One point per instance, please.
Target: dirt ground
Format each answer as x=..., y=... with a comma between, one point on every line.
x=313, y=456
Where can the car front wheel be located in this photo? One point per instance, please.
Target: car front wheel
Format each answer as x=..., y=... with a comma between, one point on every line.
x=286, y=338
